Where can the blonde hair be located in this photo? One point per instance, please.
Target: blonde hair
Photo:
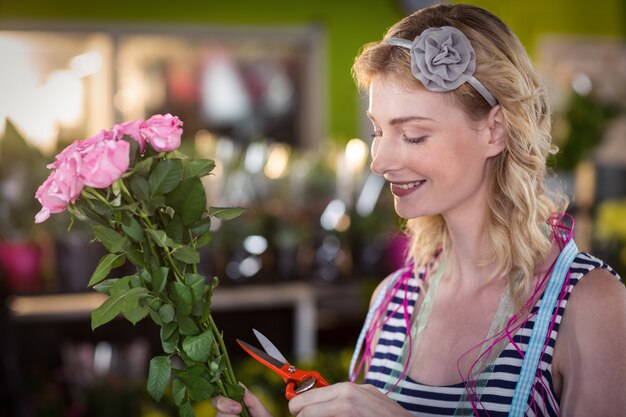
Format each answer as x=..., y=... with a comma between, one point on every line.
x=518, y=203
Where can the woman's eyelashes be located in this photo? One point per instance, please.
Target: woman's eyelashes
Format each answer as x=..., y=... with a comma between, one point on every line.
x=404, y=137
x=413, y=140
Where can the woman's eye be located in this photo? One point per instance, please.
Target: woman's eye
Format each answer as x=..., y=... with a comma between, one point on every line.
x=377, y=134
x=413, y=140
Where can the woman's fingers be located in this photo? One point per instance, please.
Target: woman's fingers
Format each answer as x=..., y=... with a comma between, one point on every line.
x=316, y=396
x=255, y=406
x=226, y=407
x=344, y=399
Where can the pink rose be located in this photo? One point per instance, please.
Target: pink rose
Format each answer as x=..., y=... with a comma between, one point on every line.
x=163, y=132
x=68, y=177
x=80, y=146
x=51, y=200
x=104, y=162
x=63, y=186
x=131, y=129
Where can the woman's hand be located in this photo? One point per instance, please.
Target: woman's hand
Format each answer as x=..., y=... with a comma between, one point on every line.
x=345, y=400
x=227, y=407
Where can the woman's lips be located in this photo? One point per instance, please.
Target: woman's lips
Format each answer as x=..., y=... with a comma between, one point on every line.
x=401, y=189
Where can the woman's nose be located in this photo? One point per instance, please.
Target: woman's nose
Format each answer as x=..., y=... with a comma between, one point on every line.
x=383, y=156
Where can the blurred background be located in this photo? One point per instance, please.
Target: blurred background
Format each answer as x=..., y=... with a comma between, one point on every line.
x=264, y=88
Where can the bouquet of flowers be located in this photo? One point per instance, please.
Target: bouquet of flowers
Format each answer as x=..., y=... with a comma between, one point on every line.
x=147, y=205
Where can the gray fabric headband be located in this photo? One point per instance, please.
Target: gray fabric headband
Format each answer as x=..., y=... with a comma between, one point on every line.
x=442, y=59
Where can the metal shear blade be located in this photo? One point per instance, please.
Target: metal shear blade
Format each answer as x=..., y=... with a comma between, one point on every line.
x=269, y=347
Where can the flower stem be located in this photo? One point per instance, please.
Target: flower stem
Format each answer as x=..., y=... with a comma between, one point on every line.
x=95, y=193
x=229, y=374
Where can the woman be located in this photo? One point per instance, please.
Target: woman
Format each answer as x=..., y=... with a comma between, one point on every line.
x=462, y=133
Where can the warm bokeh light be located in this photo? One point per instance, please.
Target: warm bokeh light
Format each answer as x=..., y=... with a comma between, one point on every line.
x=356, y=155
x=277, y=161
x=66, y=96
x=204, y=143
x=86, y=64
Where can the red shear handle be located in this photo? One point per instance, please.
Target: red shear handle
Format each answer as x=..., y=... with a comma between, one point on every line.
x=312, y=380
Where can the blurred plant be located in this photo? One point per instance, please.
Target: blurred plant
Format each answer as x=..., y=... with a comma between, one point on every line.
x=147, y=205
x=22, y=169
x=611, y=224
x=579, y=130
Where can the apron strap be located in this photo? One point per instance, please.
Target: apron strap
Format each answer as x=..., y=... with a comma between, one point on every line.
x=540, y=330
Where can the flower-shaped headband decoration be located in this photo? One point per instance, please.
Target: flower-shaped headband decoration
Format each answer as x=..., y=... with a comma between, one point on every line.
x=442, y=58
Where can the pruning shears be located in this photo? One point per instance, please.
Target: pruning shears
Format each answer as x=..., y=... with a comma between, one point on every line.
x=298, y=381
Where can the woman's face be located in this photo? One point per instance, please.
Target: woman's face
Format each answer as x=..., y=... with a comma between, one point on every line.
x=434, y=158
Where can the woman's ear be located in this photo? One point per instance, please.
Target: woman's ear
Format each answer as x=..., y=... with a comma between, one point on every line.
x=495, y=124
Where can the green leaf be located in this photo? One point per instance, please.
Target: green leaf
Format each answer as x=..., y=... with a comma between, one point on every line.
x=169, y=337
x=167, y=313
x=168, y=330
x=106, y=264
x=175, y=229
x=201, y=226
x=165, y=176
x=218, y=369
x=136, y=281
x=214, y=366
x=161, y=239
x=113, y=306
x=154, y=203
x=196, y=283
x=199, y=347
x=226, y=213
x=133, y=149
x=136, y=257
x=139, y=187
x=143, y=166
x=204, y=239
x=198, y=168
x=186, y=359
x=159, y=376
x=158, y=236
x=200, y=388
x=194, y=279
x=146, y=278
x=112, y=240
x=235, y=391
x=117, y=201
x=132, y=228
x=105, y=286
x=159, y=279
x=121, y=285
x=179, y=391
x=186, y=254
x=101, y=208
x=187, y=326
x=186, y=410
x=134, y=311
x=181, y=295
x=155, y=303
x=156, y=319
x=188, y=199
x=197, y=369
x=81, y=206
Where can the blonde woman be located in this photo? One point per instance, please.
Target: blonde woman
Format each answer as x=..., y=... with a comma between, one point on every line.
x=496, y=312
